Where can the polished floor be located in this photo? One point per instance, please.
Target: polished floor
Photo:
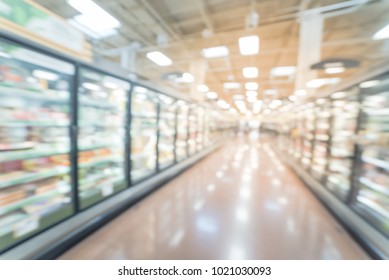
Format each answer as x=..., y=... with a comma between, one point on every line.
x=240, y=202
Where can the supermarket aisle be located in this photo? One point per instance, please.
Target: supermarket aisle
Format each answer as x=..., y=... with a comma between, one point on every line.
x=241, y=202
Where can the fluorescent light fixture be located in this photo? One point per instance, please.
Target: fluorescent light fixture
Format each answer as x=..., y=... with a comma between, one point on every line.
x=293, y=98
x=321, y=101
x=90, y=33
x=251, y=99
x=5, y=55
x=95, y=24
x=270, y=92
x=251, y=93
x=316, y=83
x=339, y=95
x=202, y=88
x=249, y=45
x=300, y=92
x=238, y=97
x=250, y=72
x=231, y=85
x=333, y=64
x=382, y=34
x=91, y=86
x=212, y=95
x=283, y=71
x=223, y=104
x=159, y=58
x=251, y=86
x=185, y=78
x=219, y=51
x=369, y=84
x=334, y=70
x=40, y=74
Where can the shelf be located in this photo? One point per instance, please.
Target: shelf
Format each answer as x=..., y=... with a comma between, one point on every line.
x=373, y=206
x=377, y=162
x=99, y=187
x=35, y=177
x=85, y=101
x=45, y=96
x=101, y=161
x=144, y=116
x=24, y=123
x=142, y=155
x=374, y=186
x=23, y=154
x=32, y=199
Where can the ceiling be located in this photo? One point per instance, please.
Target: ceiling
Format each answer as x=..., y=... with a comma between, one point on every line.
x=347, y=35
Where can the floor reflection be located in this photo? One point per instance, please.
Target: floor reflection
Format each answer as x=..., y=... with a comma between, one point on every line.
x=240, y=202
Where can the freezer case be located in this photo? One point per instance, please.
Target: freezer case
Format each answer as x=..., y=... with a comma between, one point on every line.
x=344, y=110
x=371, y=196
x=102, y=103
x=193, y=126
x=144, y=134
x=182, y=130
x=35, y=183
x=200, y=136
x=167, y=129
x=308, y=129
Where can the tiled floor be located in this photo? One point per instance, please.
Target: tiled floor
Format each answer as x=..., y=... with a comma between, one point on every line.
x=240, y=202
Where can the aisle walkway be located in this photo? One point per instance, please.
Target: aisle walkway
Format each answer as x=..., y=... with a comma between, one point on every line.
x=240, y=202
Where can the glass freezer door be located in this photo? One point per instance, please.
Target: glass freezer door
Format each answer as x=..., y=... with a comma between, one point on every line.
x=143, y=133
x=35, y=184
x=167, y=125
x=182, y=130
x=101, y=138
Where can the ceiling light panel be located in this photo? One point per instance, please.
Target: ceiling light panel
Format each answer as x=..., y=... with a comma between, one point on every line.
x=231, y=85
x=251, y=86
x=283, y=71
x=249, y=45
x=202, y=88
x=212, y=95
x=250, y=72
x=159, y=58
x=214, y=52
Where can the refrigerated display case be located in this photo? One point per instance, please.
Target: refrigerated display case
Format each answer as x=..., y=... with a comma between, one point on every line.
x=321, y=139
x=193, y=126
x=308, y=129
x=102, y=103
x=144, y=133
x=166, y=131
x=371, y=194
x=344, y=111
x=200, y=129
x=182, y=130
x=35, y=118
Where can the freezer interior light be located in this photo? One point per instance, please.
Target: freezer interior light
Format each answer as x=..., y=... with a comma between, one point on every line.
x=382, y=34
x=249, y=45
x=40, y=74
x=159, y=58
x=214, y=52
x=250, y=72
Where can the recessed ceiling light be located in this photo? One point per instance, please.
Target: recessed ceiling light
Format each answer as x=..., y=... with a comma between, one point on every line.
x=382, y=34
x=334, y=70
x=316, y=83
x=251, y=86
x=250, y=72
x=223, y=104
x=251, y=93
x=159, y=58
x=300, y=92
x=283, y=71
x=219, y=51
x=238, y=97
x=251, y=99
x=369, y=84
x=231, y=85
x=293, y=98
x=212, y=95
x=321, y=101
x=249, y=45
x=270, y=92
x=185, y=78
x=339, y=95
x=202, y=88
